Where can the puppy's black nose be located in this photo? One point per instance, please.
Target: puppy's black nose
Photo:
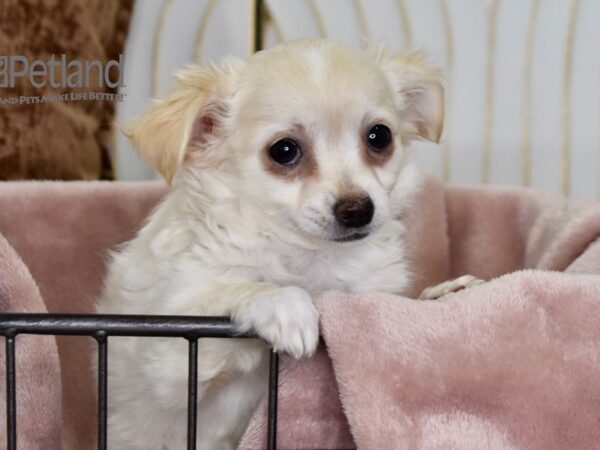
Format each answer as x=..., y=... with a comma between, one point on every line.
x=354, y=212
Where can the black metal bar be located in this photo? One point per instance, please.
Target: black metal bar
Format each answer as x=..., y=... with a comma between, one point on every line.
x=192, y=393
x=258, y=15
x=119, y=325
x=102, y=389
x=100, y=326
x=273, y=387
x=11, y=397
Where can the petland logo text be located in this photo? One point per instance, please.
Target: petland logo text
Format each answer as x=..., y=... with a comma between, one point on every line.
x=58, y=72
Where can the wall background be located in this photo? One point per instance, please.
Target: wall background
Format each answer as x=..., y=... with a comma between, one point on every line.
x=522, y=76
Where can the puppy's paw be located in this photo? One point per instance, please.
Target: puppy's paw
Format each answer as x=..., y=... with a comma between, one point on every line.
x=435, y=292
x=284, y=317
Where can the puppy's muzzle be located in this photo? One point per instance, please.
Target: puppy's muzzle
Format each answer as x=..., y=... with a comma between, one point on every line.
x=354, y=212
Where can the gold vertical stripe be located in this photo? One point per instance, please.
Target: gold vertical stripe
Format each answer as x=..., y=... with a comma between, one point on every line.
x=316, y=12
x=115, y=136
x=362, y=19
x=565, y=154
x=202, y=26
x=160, y=24
x=449, y=37
x=257, y=25
x=490, y=56
x=528, y=95
x=405, y=21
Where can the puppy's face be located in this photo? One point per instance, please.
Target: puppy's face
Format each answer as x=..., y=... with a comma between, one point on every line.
x=314, y=132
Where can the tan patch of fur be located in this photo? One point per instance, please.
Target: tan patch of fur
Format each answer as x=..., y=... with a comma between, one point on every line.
x=306, y=167
x=161, y=135
x=375, y=159
x=421, y=92
x=348, y=191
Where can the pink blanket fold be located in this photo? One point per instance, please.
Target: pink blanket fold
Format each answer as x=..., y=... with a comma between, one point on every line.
x=62, y=232
x=511, y=364
x=38, y=386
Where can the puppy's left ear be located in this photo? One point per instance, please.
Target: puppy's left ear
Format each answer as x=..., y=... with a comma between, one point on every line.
x=187, y=124
x=419, y=94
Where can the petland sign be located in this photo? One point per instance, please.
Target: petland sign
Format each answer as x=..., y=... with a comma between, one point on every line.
x=59, y=72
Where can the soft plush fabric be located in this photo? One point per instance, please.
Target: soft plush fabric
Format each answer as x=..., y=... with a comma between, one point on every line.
x=67, y=139
x=38, y=386
x=510, y=364
x=63, y=232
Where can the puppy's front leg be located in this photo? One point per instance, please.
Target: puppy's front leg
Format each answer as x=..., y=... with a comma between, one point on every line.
x=148, y=377
x=283, y=316
x=287, y=319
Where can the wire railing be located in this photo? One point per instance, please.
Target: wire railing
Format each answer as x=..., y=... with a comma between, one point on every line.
x=101, y=328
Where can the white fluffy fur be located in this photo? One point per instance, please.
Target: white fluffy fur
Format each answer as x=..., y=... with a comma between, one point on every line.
x=233, y=239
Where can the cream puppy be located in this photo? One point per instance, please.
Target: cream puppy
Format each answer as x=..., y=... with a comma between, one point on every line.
x=289, y=176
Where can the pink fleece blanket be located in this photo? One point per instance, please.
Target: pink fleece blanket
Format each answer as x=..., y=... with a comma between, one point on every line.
x=513, y=363
x=38, y=387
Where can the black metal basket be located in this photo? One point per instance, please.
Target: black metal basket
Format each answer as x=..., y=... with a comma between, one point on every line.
x=101, y=327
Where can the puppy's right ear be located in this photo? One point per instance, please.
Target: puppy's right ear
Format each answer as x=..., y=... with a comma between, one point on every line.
x=418, y=91
x=189, y=120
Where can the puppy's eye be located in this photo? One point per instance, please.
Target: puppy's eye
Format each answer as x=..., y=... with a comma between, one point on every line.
x=285, y=152
x=379, y=137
